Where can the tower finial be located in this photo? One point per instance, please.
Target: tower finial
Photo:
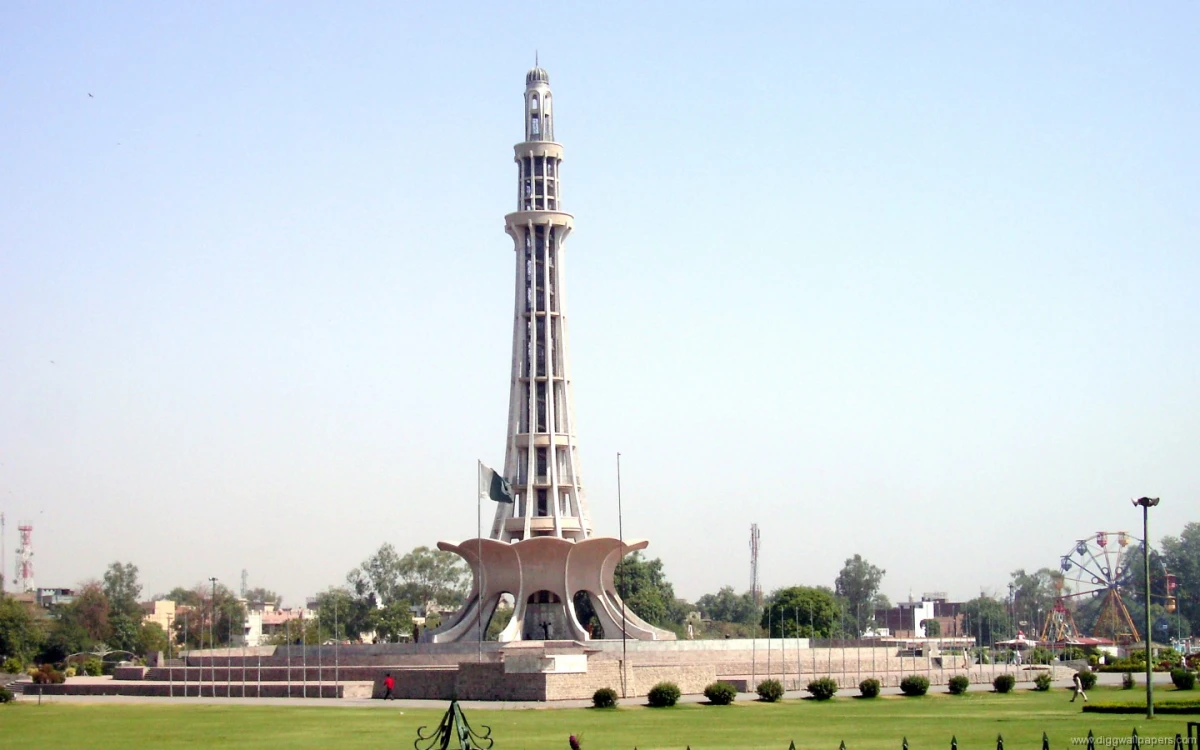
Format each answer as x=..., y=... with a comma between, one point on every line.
x=536, y=64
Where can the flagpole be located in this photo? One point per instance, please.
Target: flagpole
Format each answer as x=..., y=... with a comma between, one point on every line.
x=624, y=622
x=479, y=566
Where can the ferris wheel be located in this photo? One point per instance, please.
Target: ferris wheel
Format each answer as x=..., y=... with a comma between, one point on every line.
x=1098, y=566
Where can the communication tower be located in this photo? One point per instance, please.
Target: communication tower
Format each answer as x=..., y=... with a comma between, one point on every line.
x=755, y=586
x=24, y=579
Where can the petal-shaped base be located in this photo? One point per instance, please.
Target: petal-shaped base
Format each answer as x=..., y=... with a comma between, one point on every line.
x=543, y=575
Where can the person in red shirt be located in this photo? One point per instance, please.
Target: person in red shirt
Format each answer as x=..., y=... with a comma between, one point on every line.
x=389, y=683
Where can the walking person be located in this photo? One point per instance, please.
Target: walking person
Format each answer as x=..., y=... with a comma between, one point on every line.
x=1077, y=681
x=389, y=684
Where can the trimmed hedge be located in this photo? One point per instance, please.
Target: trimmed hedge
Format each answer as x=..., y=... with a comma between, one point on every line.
x=1087, y=678
x=604, y=698
x=663, y=695
x=770, y=691
x=823, y=689
x=1127, y=681
x=869, y=688
x=1189, y=706
x=959, y=684
x=914, y=685
x=720, y=693
x=1004, y=683
x=1184, y=679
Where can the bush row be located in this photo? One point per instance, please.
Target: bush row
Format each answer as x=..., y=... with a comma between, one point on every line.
x=722, y=693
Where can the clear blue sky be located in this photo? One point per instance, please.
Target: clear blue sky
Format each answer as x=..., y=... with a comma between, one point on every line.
x=912, y=280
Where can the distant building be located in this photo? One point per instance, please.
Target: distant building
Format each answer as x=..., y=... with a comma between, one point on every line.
x=904, y=620
x=48, y=598
x=160, y=612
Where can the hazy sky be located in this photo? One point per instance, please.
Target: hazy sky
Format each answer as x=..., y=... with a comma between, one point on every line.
x=913, y=280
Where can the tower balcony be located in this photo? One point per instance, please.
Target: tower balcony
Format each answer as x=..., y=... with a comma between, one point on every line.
x=543, y=218
x=542, y=523
x=541, y=439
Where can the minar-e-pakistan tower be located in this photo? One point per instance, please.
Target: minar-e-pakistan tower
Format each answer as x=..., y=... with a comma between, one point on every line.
x=541, y=550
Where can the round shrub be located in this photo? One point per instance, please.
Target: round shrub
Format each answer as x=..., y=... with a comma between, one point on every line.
x=48, y=675
x=1042, y=682
x=12, y=665
x=823, y=689
x=663, y=695
x=5, y=694
x=914, y=685
x=770, y=691
x=1184, y=679
x=1087, y=678
x=720, y=693
x=959, y=684
x=869, y=688
x=1127, y=682
x=1004, y=683
x=604, y=698
x=93, y=667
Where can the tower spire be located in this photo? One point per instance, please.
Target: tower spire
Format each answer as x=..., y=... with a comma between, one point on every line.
x=541, y=458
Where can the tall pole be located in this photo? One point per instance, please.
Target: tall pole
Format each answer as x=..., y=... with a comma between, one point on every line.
x=1147, y=503
x=212, y=637
x=624, y=622
x=479, y=573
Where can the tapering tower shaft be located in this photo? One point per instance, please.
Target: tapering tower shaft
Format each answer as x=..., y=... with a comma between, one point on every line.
x=541, y=459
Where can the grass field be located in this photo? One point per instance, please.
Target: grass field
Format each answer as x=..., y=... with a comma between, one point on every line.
x=927, y=722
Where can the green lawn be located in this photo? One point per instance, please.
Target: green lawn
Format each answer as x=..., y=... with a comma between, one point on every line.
x=927, y=722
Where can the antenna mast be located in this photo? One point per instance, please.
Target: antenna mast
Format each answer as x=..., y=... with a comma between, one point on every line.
x=755, y=587
x=24, y=579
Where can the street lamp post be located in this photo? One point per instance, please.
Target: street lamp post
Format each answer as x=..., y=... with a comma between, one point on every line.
x=1146, y=504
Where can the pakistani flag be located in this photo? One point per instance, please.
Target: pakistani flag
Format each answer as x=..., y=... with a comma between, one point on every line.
x=492, y=486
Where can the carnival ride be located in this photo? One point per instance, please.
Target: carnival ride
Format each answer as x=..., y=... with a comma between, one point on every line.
x=1094, y=567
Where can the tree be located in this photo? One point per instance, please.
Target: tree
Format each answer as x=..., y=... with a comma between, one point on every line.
x=727, y=606
x=429, y=576
x=90, y=610
x=183, y=597
x=423, y=577
x=858, y=583
x=379, y=574
x=1181, y=555
x=260, y=595
x=212, y=621
x=801, y=612
x=392, y=622
x=151, y=638
x=1033, y=595
x=986, y=619
x=122, y=589
x=344, y=616
x=933, y=628
x=644, y=586
x=20, y=635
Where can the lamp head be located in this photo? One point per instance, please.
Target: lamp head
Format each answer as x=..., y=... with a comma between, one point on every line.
x=1146, y=502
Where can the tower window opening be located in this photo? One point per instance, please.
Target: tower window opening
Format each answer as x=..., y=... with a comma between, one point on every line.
x=533, y=102
x=541, y=407
x=541, y=463
x=534, y=125
x=522, y=466
x=542, y=510
x=539, y=167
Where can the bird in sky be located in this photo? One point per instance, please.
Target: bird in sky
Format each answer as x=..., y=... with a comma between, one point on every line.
x=90, y=95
